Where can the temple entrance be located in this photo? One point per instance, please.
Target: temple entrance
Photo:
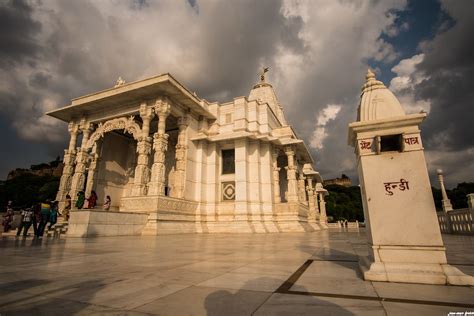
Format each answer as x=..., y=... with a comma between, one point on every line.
x=115, y=170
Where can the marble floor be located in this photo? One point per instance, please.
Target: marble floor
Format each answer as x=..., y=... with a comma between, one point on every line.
x=221, y=274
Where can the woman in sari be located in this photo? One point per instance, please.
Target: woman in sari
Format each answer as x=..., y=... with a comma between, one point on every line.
x=80, y=199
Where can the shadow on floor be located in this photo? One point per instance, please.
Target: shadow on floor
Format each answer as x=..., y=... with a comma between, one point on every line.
x=247, y=302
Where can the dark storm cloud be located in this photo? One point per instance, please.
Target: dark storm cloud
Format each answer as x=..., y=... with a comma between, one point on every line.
x=17, y=32
x=449, y=68
x=241, y=36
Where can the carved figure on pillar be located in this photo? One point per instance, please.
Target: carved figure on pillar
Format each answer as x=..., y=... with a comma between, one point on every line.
x=156, y=186
x=92, y=172
x=142, y=172
x=181, y=148
x=276, y=175
x=68, y=161
x=292, y=195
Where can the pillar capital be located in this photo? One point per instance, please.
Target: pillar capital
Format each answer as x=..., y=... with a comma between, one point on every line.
x=289, y=150
x=275, y=152
x=73, y=127
x=183, y=122
x=146, y=112
x=162, y=107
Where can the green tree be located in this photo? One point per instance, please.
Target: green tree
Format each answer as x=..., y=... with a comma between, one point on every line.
x=344, y=203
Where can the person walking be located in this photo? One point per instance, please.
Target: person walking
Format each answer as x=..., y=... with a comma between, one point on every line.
x=107, y=203
x=80, y=199
x=36, y=217
x=67, y=208
x=8, y=217
x=45, y=213
x=53, y=214
x=26, y=221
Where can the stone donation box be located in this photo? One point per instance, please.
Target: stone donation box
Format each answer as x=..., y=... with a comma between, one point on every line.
x=404, y=237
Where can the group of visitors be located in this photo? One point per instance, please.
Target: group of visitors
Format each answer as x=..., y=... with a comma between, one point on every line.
x=91, y=201
x=40, y=214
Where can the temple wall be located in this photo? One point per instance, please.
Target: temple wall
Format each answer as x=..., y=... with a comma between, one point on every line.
x=192, y=166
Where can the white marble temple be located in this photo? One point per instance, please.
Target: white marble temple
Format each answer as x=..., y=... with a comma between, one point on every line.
x=192, y=165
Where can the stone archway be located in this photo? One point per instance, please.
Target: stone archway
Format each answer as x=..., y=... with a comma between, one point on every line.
x=95, y=141
x=122, y=123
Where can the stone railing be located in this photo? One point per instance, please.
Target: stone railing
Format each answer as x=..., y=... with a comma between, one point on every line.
x=459, y=221
x=342, y=224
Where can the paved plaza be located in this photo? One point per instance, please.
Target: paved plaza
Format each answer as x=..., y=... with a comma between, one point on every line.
x=215, y=274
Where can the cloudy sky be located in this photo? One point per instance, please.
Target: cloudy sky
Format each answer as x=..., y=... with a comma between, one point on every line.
x=318, y=52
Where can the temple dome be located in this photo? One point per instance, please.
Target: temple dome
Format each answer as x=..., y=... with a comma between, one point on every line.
x=377, y=101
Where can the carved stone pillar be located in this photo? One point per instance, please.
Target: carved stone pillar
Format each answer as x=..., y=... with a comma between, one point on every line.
x=302, y=189
x=292, y=195
x=142, y=172
x=92, y=172
x=181, y=148
x=311, y=205
x=276, y=175
x=322, y=208
x=156, y=186
x=79, y=177
x=68, y=162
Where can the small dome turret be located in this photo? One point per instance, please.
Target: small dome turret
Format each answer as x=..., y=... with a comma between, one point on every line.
x=377, y=101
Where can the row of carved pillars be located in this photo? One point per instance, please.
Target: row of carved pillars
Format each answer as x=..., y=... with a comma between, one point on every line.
x=296, y=187
x=146, y=182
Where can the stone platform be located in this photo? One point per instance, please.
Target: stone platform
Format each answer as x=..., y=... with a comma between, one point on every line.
x=215, y=274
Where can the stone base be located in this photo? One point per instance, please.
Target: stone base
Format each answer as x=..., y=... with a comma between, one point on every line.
x=92, y=223
x=411, y=264
x=158, y=227
x=176, y=216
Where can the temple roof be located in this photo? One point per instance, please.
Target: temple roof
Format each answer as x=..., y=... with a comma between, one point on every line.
x=133, y=92
x=376, y=101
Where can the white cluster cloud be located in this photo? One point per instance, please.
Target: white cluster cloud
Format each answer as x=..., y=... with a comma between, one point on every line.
x=404, y=84
x=329, y=113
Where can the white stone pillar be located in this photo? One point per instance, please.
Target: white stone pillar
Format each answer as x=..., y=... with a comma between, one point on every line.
x=301, y=188
x=292, y=195
x=68, y=163
x=142, y=172
x=241, y=179
x=79, y=177
x=181, y=148
x=276, y=175
x=445, y=202
x=266, y=192
x=160, y=145
x=311, y=205
x=322, y=208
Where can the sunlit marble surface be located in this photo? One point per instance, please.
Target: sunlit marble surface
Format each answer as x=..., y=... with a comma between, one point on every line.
x=199, y=274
